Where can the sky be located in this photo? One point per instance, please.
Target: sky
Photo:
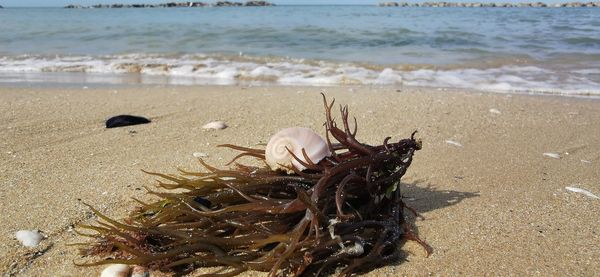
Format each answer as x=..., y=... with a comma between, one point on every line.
x=60, y=3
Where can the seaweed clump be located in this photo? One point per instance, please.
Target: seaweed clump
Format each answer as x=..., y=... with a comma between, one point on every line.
x=345, y=212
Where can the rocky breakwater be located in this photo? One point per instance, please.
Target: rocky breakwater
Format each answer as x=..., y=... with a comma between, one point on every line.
x=227, y=4
x=239, y=4
x=258, y=4
x=490, y=5
x=175, y=5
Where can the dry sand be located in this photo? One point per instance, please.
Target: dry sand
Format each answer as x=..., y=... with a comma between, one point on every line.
x=495, y=206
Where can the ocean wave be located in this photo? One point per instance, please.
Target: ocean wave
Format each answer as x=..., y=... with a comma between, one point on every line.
x=231, y=70
x=584, y=41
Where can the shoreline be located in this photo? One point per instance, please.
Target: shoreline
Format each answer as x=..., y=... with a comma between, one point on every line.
x=526, y=79
x=164, y=82
x=495, y=194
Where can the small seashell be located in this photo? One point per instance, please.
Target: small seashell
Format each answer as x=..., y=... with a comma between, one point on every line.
x=125, y=120
x=295, y=139
x=200, y=155
x=552, y=155
x=116, y=270
x=495, y=111
x=29, y=238
x=356, y=250
x=582, y=191
x=217, y=125
x=451, y=142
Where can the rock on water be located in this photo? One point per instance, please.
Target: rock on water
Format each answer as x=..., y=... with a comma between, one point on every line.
x=29, y=238
x=258, y=4
x=125, y=120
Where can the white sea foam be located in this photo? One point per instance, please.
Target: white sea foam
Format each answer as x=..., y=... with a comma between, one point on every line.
x=587, y=71
x=205, y=69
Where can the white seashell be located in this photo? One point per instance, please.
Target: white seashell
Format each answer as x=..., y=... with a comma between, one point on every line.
x=552, y=155
x=495, y=111
x=29, y=238
x=200, y=155
x=356, y=250
x=217, y=125
x=116, y=270
x=451, y=142
x=295, y=139
x=582, y=191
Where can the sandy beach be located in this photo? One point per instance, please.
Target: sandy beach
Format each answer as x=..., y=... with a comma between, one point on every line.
x=493, y=203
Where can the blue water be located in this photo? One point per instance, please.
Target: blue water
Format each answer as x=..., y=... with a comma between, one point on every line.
x=487, y=48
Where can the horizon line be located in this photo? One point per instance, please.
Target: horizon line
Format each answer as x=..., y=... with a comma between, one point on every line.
x=62, y=6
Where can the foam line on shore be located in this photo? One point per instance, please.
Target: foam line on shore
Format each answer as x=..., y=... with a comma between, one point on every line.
x=206, y=69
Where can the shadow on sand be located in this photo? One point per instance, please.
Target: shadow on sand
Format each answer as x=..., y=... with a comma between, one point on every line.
x=424, y=197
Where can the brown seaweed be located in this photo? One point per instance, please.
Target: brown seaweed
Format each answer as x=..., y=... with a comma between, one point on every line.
x=345, y=212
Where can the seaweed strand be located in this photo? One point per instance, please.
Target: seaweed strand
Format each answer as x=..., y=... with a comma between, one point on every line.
x=345, y=211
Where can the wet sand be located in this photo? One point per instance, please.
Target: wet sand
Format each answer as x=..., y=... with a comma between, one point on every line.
x=493, y=206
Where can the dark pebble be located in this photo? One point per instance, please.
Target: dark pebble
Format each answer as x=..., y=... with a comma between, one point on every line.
x=125, y=120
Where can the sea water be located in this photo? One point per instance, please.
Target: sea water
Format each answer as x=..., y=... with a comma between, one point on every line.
x=533, y=50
